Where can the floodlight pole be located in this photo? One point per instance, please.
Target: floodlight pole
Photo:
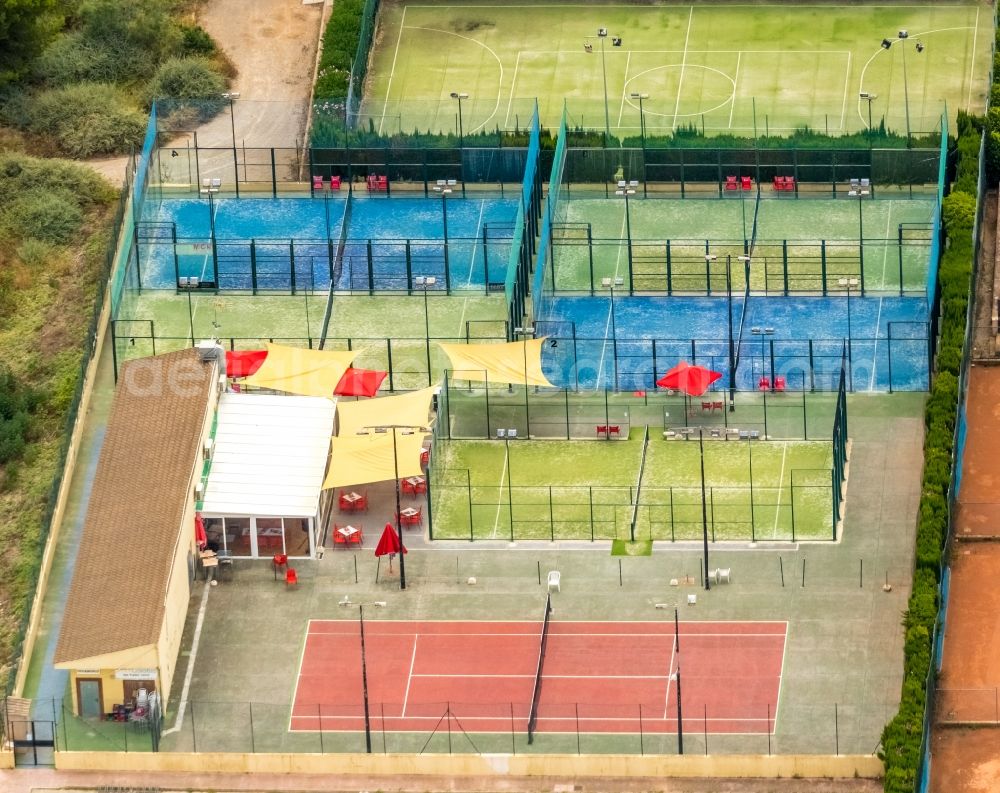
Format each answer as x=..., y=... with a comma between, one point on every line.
x=642, y=134
x=901, y=37
x=445, y=191
x=230, y=96
x=626, y=189
x=610, y=283
x=525, y=334
x=704, y=525
x=848, y=284
x=602, y=34
x=869, y=97
x=425, y=282
x=859, y=193
x=458, y=96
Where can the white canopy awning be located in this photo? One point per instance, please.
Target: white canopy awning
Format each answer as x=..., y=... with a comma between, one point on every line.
x=270, y=455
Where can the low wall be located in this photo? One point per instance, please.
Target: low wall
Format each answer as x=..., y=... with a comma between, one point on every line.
x=576, y=766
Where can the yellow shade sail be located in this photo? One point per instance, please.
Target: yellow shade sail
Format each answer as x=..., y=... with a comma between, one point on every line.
x=296, y=370
x=367, y=458
x=518, y=362
x=411, y=410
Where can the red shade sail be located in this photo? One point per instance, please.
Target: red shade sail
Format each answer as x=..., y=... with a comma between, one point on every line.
x=692, y=380
x=243, y=363
x=360, y=382
x=199, y=531
x=388, y=542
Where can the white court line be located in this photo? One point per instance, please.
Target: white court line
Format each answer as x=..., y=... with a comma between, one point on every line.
x=632, y=5
x=878, y=319
x=781, y=676
x=781, y=486
x=503, y=476
x=513, y=83
x=847, y=80
x=680, y=80
x=496, y=57
x=736, y=79
x=392, y=71
x=475, y=245
x=972, y=62
x=413, y=660
x=621, y=108
x=531, y=676
x=607, y=325
x=193, y=656
x=670, y=671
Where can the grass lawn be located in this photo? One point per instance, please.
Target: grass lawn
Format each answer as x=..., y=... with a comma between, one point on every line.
x=587, y=489
x=749, y=69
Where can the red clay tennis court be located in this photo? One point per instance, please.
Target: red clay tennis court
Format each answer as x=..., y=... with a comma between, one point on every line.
x=599, y=677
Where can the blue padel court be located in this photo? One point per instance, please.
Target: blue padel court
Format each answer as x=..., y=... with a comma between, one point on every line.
x=627, y=343
x=288, y=244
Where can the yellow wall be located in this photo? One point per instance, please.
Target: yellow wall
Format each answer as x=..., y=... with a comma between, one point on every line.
x=112, y=690
x=178, y=592
x=575, y=766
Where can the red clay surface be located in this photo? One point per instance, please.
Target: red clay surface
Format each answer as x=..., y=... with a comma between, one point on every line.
x=602, y=676
x=967, y=689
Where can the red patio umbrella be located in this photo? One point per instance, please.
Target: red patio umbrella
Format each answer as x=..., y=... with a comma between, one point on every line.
x=243, y=363
x=199, y=531
x=360, y=382
x=691, y=380
x=388, y=543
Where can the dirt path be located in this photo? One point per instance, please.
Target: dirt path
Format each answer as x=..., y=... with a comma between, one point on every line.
x=272, y=43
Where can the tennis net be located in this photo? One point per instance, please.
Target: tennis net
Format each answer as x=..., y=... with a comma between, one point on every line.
x=338, y=270
x=537, y=690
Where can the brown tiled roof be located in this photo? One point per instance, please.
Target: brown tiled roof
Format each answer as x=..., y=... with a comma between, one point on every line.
x=136, y=505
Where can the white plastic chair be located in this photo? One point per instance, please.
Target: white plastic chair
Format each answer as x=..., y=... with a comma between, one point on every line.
x=723, y=575
x=554, y=576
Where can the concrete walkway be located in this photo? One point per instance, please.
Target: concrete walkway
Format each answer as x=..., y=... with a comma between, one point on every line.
x=26, y=781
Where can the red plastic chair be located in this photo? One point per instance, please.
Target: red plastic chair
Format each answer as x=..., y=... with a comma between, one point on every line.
x=779, y=383
x=425, y=457
x=357, y=538
x=291, y=577
x=764, y=384
x=614, y=429
x=718, y=406
x=338, y=538
x=334, y=182
x=706, y=405
x=318, y=183
x=746, y=182
x=408, y=488
x=602, y=429
x=731, y=183
x=279, y=560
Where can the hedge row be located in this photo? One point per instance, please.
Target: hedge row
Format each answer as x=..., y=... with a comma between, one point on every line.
x=340, y=45
x=901, y=738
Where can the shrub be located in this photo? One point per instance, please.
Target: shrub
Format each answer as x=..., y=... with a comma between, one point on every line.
x=86, y=119
x=35, y=253
x=19, y=172
x=17, y=402
x=195, y=41
x=187, y=78
x=44, y=214
x=134, y=36
x=901, y=738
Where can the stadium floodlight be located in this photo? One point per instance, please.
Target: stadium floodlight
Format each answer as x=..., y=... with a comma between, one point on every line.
x=902, y=37
x=616, y=41
x=458, y=96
